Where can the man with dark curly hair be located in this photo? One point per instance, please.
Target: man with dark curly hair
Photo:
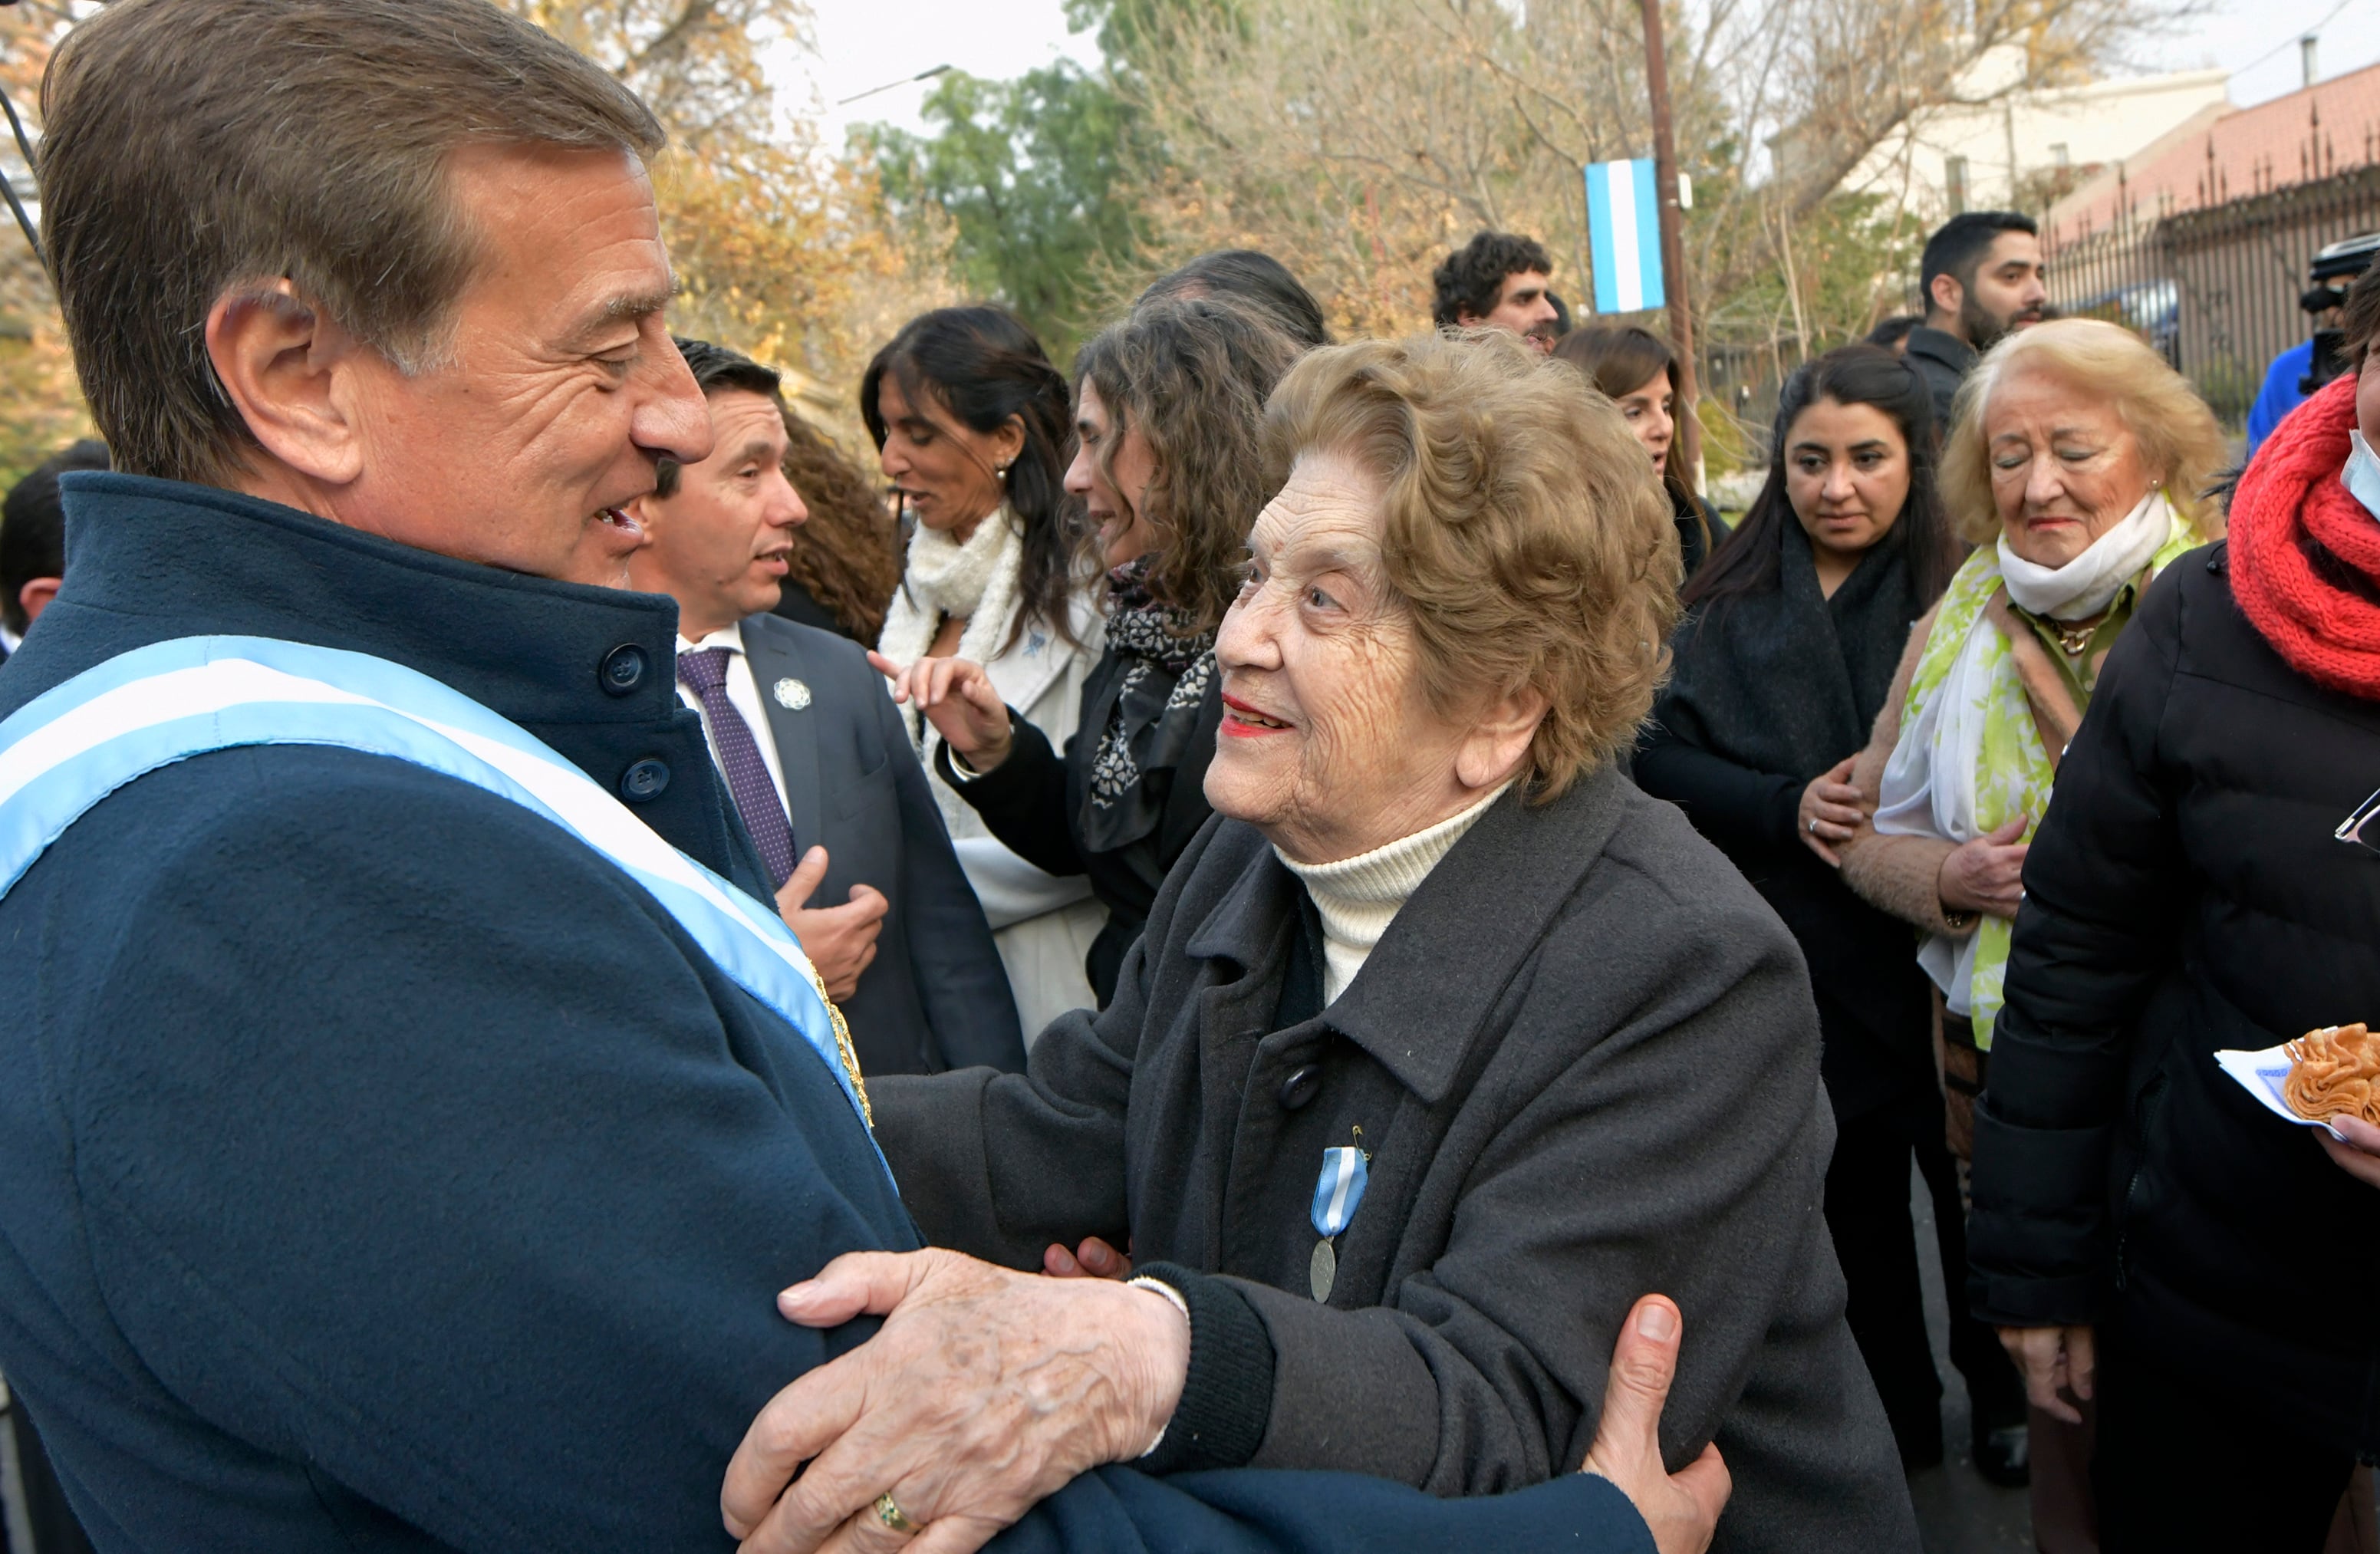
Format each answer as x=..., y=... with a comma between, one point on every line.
x=1498, y=278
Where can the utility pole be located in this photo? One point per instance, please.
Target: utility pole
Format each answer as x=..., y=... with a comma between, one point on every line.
x=1673, y=243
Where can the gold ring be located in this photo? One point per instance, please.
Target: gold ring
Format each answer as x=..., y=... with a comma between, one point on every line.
x=891, y=1514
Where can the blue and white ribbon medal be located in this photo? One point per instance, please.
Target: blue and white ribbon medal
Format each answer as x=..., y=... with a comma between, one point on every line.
x=1336, y=1194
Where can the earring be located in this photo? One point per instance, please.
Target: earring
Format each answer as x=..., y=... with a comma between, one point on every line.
x=1004, y=474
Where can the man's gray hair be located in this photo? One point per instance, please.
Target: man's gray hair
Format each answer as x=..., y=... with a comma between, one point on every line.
x=192, y=147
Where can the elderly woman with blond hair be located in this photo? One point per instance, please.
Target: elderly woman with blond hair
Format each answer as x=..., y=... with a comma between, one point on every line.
x=2079, y=465
x=1443, y=1041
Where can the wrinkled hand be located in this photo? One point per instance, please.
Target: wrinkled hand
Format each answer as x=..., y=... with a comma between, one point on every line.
x=1682, y=1509
x=957, y=698
x=1093, y=1259
x=984, y=1391
x=2358, y=1157
x=1988, y=874
x=840, y=940
x=2054, y=1360
x=1829, y=812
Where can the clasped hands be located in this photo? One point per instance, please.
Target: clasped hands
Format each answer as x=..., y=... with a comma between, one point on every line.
x=986, y=1391
x=1983, y=875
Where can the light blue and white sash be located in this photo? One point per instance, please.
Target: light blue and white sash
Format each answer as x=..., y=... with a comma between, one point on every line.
x=76, y=744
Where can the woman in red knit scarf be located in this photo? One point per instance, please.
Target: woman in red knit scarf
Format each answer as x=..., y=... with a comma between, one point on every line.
x=2305, y=549
x=2198, y=885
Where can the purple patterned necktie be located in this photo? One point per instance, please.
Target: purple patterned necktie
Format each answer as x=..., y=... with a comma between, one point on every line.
x=704, y=672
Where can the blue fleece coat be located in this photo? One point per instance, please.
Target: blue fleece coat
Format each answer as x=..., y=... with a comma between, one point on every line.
x=382, y=1169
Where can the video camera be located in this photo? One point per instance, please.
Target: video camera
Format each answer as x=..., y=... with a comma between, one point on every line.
x=2332, y=269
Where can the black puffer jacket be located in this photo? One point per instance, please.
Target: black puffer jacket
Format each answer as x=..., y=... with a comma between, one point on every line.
x=2185, y=894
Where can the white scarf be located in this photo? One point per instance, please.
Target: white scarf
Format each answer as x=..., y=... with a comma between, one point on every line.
x=2085, y=585
x=975, y=582
x=1937, y=782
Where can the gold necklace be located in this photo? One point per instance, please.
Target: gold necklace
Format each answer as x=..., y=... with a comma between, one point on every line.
x=2075, y=639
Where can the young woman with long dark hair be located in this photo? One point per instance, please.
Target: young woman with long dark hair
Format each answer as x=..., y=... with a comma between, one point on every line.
x=970, y=422
x=1795, y=626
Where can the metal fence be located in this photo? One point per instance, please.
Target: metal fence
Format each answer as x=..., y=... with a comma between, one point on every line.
x=2217, y=289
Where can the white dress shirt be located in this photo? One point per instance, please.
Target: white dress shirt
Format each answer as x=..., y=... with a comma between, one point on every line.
x=744, y=695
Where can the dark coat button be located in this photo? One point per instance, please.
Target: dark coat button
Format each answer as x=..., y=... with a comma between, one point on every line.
x=1300, y=1087
x=624, y=670
x=643, y=781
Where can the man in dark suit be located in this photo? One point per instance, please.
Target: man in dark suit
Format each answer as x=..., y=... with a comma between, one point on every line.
x=813, y=752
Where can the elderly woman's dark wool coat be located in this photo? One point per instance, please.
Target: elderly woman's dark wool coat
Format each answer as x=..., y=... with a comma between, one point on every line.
x=1585, y=1061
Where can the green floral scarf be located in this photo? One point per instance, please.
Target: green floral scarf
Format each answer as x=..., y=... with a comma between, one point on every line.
x=1970, y=759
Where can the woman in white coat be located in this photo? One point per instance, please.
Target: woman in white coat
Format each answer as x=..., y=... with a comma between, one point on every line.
x=970, y=422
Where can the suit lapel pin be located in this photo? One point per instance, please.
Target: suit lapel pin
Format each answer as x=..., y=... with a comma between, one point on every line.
x=792, y=695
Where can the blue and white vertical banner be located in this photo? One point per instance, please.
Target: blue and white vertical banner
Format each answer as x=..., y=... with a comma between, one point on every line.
x=1624, y=228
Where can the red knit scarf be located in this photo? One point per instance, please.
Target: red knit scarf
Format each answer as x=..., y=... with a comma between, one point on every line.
x=2292, y=520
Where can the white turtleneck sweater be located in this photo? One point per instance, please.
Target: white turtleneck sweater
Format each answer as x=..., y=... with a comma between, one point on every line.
x=1359, y=897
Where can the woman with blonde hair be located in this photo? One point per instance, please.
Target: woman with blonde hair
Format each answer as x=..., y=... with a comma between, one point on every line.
x=2079, y=465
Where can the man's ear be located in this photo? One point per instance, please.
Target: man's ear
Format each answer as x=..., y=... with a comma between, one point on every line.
x=290, y=372
x=1499, y=740
x=1945, y=296
x=35, y=596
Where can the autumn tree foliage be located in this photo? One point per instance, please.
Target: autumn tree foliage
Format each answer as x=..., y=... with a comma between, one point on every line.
x=783, y=250
x=41, y=405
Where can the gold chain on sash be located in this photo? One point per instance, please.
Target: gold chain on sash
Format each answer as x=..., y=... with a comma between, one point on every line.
x=843, y=1049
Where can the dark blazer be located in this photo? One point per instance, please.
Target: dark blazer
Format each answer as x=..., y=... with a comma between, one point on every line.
x=1943, y=360
x=1585, y=1063
x=1032, y=802
x=381, y=1169
x=936, y=996
x=2185, y=894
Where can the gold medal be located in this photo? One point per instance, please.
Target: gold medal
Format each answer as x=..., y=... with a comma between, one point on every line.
x=1322, y=1270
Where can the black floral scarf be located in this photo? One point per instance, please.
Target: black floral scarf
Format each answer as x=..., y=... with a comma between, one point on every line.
x=1154, y=713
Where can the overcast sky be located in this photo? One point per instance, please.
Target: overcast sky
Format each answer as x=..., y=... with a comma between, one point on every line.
x=864, y=43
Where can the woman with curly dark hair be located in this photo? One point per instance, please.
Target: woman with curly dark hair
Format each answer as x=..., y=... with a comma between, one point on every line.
x=969, y=420
x=1168, y=409
x=846, y=559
